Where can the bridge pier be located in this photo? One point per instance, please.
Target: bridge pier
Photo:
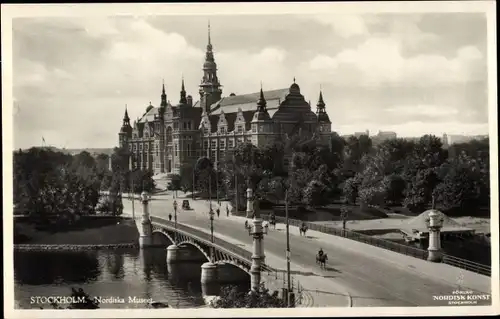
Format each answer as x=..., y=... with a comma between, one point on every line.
x=145, y=236
x=172, y=254
x=179, y=254
x=209, y=273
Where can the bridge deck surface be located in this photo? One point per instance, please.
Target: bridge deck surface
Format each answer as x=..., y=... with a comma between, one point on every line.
x=372, y=276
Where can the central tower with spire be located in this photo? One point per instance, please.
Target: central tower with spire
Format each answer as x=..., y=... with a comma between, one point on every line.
x=210, y=88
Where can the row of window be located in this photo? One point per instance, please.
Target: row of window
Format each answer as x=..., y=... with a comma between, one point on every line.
x=223, y=130
x=133, y=147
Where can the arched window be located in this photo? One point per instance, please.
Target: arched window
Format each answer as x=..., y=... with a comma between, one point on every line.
x=169, y=135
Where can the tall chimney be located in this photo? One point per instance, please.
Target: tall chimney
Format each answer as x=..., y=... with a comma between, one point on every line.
x=189, y=100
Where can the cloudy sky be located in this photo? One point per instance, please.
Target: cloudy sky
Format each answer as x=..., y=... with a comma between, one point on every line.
x=409, y=73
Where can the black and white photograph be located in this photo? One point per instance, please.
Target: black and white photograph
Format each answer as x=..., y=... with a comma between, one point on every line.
x=204, y=159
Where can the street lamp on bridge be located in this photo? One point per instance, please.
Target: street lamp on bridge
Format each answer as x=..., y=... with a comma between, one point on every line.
x=211, y=213
x=175, y=216
x=257, y=232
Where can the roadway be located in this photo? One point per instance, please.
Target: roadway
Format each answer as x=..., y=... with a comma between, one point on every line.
x=369, y=281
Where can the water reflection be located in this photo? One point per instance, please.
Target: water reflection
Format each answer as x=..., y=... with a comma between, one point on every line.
x=117, y=273
x=42, y=268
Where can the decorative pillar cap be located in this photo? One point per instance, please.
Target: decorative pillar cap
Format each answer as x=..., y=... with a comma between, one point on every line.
x=434, y=219
x=144, y=196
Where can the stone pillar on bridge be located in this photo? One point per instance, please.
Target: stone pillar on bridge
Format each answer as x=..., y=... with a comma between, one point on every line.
x=257, y=232
x=145, y=237
x=435, y=223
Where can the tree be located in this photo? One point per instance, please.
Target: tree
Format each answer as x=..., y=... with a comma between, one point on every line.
x=314, y=193
x=54, y=186
x=461, y=187
x=351, y=189
x=420, y=190
x=84, y=159
x=356, y=148
x=102, y=162
x=175, y=182
x=394, y=187
x=186, y=177
x=373, y=195
x=429, y=150
x=232, y=298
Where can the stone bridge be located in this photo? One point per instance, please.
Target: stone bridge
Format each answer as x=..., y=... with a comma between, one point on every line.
x=223, y=262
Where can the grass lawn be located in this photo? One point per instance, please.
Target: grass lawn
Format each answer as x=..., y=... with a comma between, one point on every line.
x=124, y=232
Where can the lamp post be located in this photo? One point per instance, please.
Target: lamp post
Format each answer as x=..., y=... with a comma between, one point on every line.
x=192, y=187
x=175, y=214
x=211, y=214
x=235, y=186
x=257, y=232
x=175, y=218
x=210, y=186
x=343, y=216
x=288, y=253
x=132, y=186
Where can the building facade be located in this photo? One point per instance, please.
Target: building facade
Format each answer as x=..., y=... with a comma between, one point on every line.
x=166, y=137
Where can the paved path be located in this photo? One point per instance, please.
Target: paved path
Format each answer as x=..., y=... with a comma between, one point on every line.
x=371, y=276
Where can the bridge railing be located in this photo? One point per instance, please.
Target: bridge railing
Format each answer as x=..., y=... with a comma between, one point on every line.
x=467, y=265
x=374, y=241
x=225, y=246
x=382, y=243
x=231, y=249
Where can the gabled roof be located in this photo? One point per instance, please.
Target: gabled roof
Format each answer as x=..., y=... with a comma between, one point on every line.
x=248, y=102
x=149, y=116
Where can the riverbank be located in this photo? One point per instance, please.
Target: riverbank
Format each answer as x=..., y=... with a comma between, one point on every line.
x=35, y=247
x=118, y=233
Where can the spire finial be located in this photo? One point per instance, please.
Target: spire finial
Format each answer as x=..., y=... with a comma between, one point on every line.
x=183, y=99
x=125, y=117
x=261, y=103
x=293, y=79
x=209, y=40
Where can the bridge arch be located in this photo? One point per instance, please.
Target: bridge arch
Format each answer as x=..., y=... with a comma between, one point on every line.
x=197, y=247
x=230, y=272
x=162, y=238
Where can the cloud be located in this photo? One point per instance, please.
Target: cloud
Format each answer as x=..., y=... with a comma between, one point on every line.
x=418, y=110
x=379, y=61
x=345, y=25
x=73, y=77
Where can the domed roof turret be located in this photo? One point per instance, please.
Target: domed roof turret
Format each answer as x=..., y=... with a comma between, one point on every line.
x=294, y=88
x=149, y=107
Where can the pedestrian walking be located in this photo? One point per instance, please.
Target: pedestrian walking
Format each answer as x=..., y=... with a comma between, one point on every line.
x=227, y=210
x=218, y=212
x=170, y=217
